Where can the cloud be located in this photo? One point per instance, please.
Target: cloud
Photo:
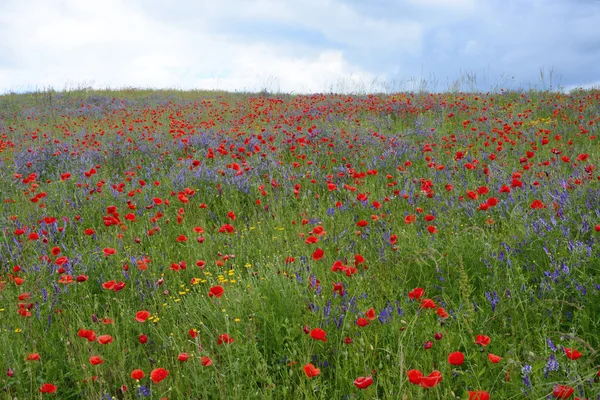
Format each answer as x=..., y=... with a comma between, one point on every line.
x=299, y=46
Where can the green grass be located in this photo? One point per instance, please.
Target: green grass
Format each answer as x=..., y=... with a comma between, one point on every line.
x=519, y=275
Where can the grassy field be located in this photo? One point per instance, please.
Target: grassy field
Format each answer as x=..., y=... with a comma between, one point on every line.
x=205, y=245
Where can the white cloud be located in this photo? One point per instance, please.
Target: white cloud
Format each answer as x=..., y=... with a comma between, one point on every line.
x=113, y=43
x=299, y=45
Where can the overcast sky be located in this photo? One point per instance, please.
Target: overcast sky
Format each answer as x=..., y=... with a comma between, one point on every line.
x=298, y=45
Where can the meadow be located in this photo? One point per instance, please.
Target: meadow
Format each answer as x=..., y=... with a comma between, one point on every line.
x=211, y=245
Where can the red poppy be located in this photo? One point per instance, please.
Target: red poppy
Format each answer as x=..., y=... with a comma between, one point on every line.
x=311, y=240
x=416, y=293
x=48, y=388
x=227, y=228
x=311, y=371
x=224, y=338
x=318, y=334
x=362, y=223
x=142, y=316
x=87, y=334
x=537, y=205
x=442, y=313
x=182, y=238
x=108, y=251
x=108, y=285
x=479, y=395
x=494, y=358
x=428, y=303
x=431, y=380
x=216, y=291
x=137, y=374
x=206, y=361
x=456, y=358
x=318, y=254
x=143, y=339
x=414, y=376
x=572, y=354
x=362, y=322
x=562, y=391
x=96, y=360
x=482, y=340
x=183, y=357
x=105, y=339
x=432, y=229
x=370, y=314
x=158, y=374
x=363, y=382
x=33, y=357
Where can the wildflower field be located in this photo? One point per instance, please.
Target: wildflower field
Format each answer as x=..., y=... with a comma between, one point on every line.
x=206, y=245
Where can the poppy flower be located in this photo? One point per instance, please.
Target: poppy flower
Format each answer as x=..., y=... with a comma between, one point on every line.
x=370, y=314
x=142, y=316
x=318, y=254
x=183, y=357
x=87, y=334
x=479, y=395
x=48, y=388
x=456, y=358
x=105, y=339
x=432, y=229
x=216, y=291
x=311, y=371
x=362, y=223
x=108, y=285
x=158, y=374
x=108, y=251
x=226, y=228
x=137, y=374
x=362, y=322
x=33, y=357
x=206, y=361
x=414, y=376
x=96, y=360
x=311, y=240
x=428, y=303
x=363, y=382
x=537, y=205
x=416, y=293
x=494, y=358
x=431, y=380
x=482, y=340
x=224, y=338
x=572, y=354
x=182, y=238
x=562, y=391
x=143, y=339
x=318, y=334
x=441, y=312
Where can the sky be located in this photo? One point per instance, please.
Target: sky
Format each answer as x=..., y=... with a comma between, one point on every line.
x=299, y=46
